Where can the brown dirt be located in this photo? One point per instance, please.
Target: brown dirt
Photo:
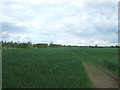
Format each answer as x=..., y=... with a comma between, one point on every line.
x=101, y=77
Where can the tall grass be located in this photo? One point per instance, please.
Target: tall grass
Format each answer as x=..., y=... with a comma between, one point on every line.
x=54, y=67
x=107, y=57
x=43, y=68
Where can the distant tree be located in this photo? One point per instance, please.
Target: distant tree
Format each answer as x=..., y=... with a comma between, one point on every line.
x=40, y=45
x=51, y=44
x=112, y=46
x=117, y=46
x=29, y=43
x=55, y=45
x=23, y=45
x=96, y=46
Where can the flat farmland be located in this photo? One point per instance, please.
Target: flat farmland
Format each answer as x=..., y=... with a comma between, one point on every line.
x=65, y=67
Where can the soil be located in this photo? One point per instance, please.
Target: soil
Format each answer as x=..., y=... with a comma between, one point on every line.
x=101, y=77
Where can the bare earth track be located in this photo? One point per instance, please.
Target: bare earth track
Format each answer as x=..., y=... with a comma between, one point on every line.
x=100, y=77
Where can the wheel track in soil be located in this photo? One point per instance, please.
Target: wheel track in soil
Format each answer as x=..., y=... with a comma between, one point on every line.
x=101, y=77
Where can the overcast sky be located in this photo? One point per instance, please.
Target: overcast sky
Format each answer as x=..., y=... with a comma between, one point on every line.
x=70, y=22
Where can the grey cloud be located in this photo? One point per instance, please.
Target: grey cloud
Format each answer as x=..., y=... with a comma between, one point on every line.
x=46, y=14
x=12, y=28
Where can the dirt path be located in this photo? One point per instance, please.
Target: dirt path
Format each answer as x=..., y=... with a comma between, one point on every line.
x=101, y=77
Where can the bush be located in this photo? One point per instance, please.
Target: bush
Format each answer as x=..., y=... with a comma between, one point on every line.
x=40, y=45
x=23, y=45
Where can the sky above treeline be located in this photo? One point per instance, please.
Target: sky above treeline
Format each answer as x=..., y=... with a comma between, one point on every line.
x=69, y=22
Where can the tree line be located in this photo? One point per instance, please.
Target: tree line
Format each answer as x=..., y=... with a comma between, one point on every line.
x=27, y=45
x=44, y=45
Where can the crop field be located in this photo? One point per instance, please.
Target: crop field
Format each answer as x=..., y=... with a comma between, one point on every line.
x=54, y=67
x=106, y=57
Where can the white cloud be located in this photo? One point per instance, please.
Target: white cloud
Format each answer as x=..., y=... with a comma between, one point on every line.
x=41, y=1
x=62, y=21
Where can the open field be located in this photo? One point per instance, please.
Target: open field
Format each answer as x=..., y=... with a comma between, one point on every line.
x=106, y=57
x=55, y=67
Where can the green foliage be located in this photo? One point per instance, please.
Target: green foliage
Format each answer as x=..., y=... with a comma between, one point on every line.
x=55, y=45
x=43, y=68
x=54, y=67
x=16, y=45
x=40, y=45
x=106, y=57
x=44, y=45
x=23, y=45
